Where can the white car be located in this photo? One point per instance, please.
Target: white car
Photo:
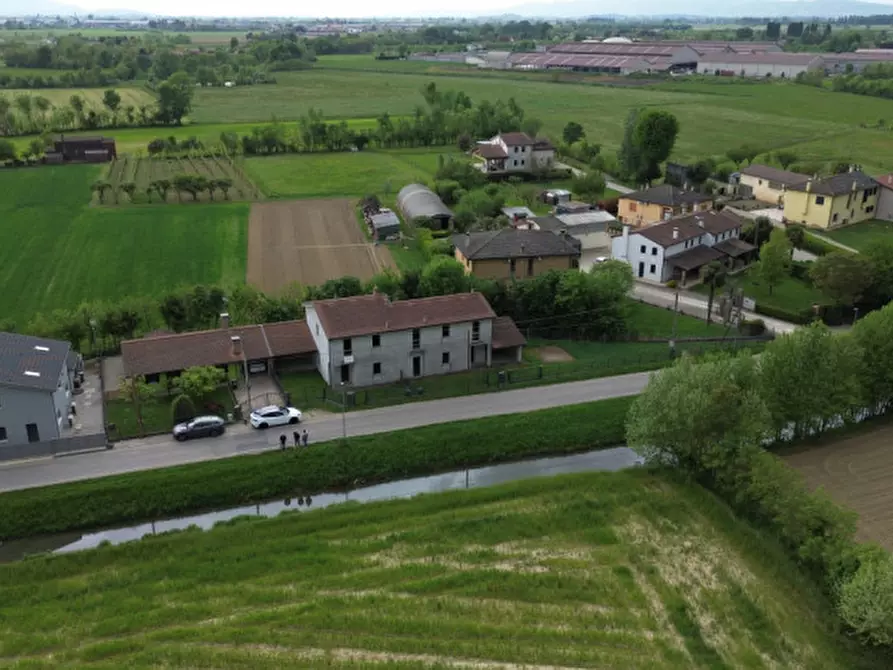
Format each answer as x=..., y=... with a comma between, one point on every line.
x=273, y=415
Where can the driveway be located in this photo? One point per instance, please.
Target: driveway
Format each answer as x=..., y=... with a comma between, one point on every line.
x=162, y=451
x=609, y=182
x=695, y=305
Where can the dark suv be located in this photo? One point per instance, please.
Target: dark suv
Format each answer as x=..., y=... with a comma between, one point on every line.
x=200, y=426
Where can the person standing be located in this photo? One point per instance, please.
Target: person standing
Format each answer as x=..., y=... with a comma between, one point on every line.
x=297, y=438
x=305, y=437
x=282, y=439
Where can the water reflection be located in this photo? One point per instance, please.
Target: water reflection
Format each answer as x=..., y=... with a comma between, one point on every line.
x=605, y=460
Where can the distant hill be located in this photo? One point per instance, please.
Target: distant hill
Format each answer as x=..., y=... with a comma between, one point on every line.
x=702, y=8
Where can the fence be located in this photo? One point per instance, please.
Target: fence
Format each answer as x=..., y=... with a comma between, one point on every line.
x=60, y=447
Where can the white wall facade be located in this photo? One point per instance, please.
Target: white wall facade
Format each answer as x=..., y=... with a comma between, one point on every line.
x=884, y=209
x=324, y=356
x=764, y=190
x=787, y=70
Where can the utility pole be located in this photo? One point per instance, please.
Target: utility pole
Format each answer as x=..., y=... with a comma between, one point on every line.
x=675, y=323
x=343, y=412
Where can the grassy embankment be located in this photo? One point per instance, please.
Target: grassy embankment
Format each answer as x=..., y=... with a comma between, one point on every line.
x=325, y=466
x=623, y=570
x=56, y=251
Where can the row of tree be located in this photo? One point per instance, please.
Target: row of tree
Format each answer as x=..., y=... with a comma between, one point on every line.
x=192, y=184
x=802, y=386
x=584, y=304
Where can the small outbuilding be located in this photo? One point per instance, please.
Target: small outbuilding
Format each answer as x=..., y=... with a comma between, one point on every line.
x=385, y=224
x=418, y=201
x=84, y=149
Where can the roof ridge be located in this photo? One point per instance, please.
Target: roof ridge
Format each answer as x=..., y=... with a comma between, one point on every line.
x=263, y=331
x=187, y=333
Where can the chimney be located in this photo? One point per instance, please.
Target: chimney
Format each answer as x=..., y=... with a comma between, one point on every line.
x=700, y=222
x=675, y=233
x=237, y=345
x=224, y=319
x=809, y=185
x=855, y=186
x=852, y=168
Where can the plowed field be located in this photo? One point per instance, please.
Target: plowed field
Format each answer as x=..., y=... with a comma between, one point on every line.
x=308, y=242
x=857, y=472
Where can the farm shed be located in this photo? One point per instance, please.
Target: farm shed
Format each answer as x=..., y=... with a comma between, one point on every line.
x=91, y=149
x=384, y=224
x=417, y=201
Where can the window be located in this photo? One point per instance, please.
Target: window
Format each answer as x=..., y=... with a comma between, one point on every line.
x=475, y=330
x=575, y=263
x=376, y=341
x=516, y=149
x=512, y=267
x=869, y=209
x=522, y=161
x=632, y=207
x=654, y=251
x=153, y=378
x=376, y=368
x=529, y=267
x=446, y=331
x=445, y=358
x=642, y=249
x=416, y=338
x=652, y=269
x=515, y=161
x=3, y=437
x=348, y=347
x=834, y=216
x=820, y=200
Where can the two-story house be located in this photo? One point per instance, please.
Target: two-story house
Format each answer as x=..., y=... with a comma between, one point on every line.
x=677, y=249
x=660, y=203
x=368, y=339
x=509, y=153
x=514, y=253
x=767, y=183
x=35, y=388
x=835, y=201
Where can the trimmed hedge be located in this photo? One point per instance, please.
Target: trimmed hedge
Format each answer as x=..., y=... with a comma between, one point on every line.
x=801, y=317
x=155, y=494
x=818, y=246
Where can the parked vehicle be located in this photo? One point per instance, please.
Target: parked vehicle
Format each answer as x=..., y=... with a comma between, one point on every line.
x=200, y=426
x=273, y=415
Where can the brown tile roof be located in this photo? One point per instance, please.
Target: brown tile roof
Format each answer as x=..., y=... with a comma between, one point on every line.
x=514, y=243
x=487, y=150
x=167, y=353
x=774, y=174
x=542, y=144
x=734, y=247
x=372, y=314
x=695, y=258
x=515, y=139
x=690, y=227
x=885, y=180
x=506, y=333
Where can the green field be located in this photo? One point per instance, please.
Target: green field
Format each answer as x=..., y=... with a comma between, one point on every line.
x=56, y=251
x=343, y=174
x=863, y=236
x=626, y=570
x=712, y=116
x=92, y=96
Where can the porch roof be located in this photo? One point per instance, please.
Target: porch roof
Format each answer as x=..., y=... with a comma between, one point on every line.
x=695, y=258
x=734, y=247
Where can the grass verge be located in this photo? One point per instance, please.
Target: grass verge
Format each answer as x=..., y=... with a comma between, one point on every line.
x=621, y=570
x=158, y=493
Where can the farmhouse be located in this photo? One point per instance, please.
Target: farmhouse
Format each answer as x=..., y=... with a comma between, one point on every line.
x=768, y=184
x=778, y=64
x=35, y=389
x=845, y=198
x=82, y=149
x=367, y=339
x=417, y=201
x=509, y=153
x=660, y=203
x=678, y=248
x=512, y=253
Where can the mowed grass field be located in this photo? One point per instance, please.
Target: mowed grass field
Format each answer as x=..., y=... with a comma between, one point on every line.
x=713, y=116
x=343, y=174
x=625, y=570
x=864, y=236
x=130, y=95
x=56, y=251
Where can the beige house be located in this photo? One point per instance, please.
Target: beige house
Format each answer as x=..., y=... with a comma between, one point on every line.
x=515, y=254
x=660, y=203
x=768, y=184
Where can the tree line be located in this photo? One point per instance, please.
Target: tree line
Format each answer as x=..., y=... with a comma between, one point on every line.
x=571, y=303
x=192, y=184
x=802, y=386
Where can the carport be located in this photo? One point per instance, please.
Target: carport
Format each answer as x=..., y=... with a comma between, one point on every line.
x=693, y=260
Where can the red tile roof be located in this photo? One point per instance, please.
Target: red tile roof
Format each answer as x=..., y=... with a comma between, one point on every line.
x=168, y=353
x=885, y=180
x=372, y=314
x=487, y=150
x=506, y=333
x=515, y=139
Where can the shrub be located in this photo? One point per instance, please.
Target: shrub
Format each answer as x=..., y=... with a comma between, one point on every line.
x=752, y=327
x=182, y=408
x=672, y=283
x=817, y=246
x=801, y=317
x=800, y=270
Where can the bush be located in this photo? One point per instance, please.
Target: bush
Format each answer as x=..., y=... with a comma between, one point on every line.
x=182, y=409
x=752, y=327
x=610, y=205
x=324, y=467
x=801, y=317
x=800, y=270
x=672, y=283
x=817, y=246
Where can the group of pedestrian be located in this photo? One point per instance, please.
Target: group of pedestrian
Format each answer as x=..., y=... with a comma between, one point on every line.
x=302, y=438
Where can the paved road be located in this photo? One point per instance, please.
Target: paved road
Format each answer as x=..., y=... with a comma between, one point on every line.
x=695, y=305
x=610, y=183
x=159, y=452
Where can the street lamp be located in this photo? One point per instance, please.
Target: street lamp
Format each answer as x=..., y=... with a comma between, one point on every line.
x=93, y=324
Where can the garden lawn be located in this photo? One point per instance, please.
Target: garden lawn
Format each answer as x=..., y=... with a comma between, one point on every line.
x=792, y=295
x=57, y=252
x=649, y=321
x=157, y=413
x=863, y=236
x=611, y=570
x=348, y=174
x=824, y=123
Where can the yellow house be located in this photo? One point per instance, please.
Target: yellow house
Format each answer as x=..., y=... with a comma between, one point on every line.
x=660, y=203
x=515, y=254
x=835, y=201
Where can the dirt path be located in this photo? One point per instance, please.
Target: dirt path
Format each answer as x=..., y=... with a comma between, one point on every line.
x=309, y=241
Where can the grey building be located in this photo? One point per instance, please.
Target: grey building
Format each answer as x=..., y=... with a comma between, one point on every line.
x=367, y=340
x=35, y=388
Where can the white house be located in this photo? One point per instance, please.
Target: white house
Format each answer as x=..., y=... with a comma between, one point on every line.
x=674, y=248
x=509, y=153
